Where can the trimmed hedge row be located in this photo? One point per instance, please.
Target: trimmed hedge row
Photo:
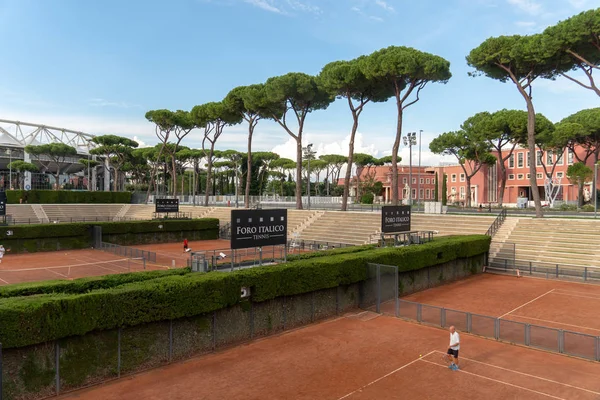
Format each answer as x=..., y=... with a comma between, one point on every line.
x=84, y=285
x=66, y=196
x=323, y=253
x=40, y=318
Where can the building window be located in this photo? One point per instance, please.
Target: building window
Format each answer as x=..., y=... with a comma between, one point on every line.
x=414, y=181
x=511, y=177
x=462, y=177
x=560, y=158
x=540, y=157
x=540, y=175
x=422, y=180
x=520, y=160
x=462, y=192
x=421, y=191
x=519, y=176
x=427, y=193
x=453, y=177
x=414, y=193
x=528, y=176
x=570, y=157
x=549, y=155
x=404, y=180
x=511, y=161
x=527, y=159
x=559, y=174
x=428, y=180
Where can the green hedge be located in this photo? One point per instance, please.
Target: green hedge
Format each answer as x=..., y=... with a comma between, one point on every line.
x=84, y=285
x=39, y=318
x=66, y=196
x=324, y=253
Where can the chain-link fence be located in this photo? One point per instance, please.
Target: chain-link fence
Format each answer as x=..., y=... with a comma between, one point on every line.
x=541, y=337
x=547, y=270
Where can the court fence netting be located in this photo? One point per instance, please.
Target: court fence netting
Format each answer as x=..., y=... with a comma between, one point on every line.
x=126, y=251
x=72, y=271
x=380, y=294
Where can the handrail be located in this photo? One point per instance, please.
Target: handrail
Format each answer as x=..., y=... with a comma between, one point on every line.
x=497, y=223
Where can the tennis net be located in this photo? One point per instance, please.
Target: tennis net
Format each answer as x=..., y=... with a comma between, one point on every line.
x=72, y=271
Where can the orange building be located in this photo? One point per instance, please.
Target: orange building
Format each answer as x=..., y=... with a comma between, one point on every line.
x=485, y=184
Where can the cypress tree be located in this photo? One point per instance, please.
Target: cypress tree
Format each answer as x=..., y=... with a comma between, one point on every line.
x=444, y=190
x=435, y=190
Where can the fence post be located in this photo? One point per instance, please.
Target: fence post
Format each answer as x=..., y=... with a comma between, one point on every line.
x=396, y=290
x=585, y=274
x=557, y=270
x=378, y=305
x=505, y=264
x=57, y=353
x=530, y=269
x=170, y=340
x=1, y=372
x=497, y=328
x=119, y=353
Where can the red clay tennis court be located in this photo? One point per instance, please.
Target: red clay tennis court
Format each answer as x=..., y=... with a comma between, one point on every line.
x=362, y=356
x=536, y=301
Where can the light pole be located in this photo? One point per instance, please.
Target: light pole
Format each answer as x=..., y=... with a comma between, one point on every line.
x=9, y=152
x=419, y=175
x=410, y=140
x=308, y=154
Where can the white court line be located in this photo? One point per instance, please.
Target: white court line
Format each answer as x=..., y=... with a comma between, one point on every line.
x=545, y=279
x=554, y=322
x=529, y=302
x=4, y=280
x=385, y=376
x=57, y=273
x=498, y=381
x=572, y=294
x=526, y=374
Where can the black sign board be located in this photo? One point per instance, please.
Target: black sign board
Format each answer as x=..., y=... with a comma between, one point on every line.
x=2, y=203
x=257, y=228
x=395, y=219
x=166, y=205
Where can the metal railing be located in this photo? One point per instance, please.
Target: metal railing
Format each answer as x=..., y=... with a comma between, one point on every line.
x=497, y=223
x=547, y=270
x=551, y=339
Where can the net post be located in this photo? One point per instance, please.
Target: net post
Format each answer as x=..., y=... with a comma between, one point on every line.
x=144, y=262
x=469, y=322
x=497, y=328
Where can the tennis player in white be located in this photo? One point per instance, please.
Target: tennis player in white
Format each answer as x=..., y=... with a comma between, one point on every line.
x=453, y=348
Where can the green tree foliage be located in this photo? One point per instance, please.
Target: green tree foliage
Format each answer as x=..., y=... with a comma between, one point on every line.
x=579, y=174
x=470, y=153
x=164, y=124
x=252, y=103
x=282, y=165
x=346, y=79
x=576, y=44
x=183, y=126
x=445, y=190
x=116, y=150
x=297, y=94
x=213, y=117
x=21, y=167
x=335, y=162
x=436, y=194
x=406, y=71
x=362, y=161
x=57, y=153
x=520, y=60
x=582, y=130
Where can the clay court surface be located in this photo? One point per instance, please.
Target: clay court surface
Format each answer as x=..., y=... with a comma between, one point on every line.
x=362, y=356
x=72, y=264
x=536, y=301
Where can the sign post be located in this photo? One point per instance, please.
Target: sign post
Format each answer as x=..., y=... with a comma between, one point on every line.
x=258, y=228
x=167, y=205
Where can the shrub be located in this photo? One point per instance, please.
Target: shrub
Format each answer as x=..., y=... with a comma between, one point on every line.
x=44, y=317
x=367, y=198
x=66, y=196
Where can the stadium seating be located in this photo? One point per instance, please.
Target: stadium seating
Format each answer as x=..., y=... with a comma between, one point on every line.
x=81, y=212
x=547, y=241
x=22, y=214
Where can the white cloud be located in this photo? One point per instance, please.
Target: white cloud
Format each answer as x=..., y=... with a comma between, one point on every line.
x=299, y=6
x=140, y=142
x=374, y=18
x=525, y=24
x=529, y=6
x=106, y=103
x=265, y=5
x=384, y=5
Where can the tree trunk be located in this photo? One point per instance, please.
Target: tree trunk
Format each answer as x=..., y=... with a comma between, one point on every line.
x=209, y=175
x=395, y=148
x=532, y=157
x=174, y=175
x=468, y=194
x=248, y=168
x=580, y=193
x=116, y=182
x=350, y=160
x=299, y=171
x=502, y=179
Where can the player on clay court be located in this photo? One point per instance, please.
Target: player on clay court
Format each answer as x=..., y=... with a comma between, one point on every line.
x=185, y=245
x=2, y=250
x=452, y=355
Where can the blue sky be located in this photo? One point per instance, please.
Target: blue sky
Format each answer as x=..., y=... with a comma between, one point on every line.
x=98, y=66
